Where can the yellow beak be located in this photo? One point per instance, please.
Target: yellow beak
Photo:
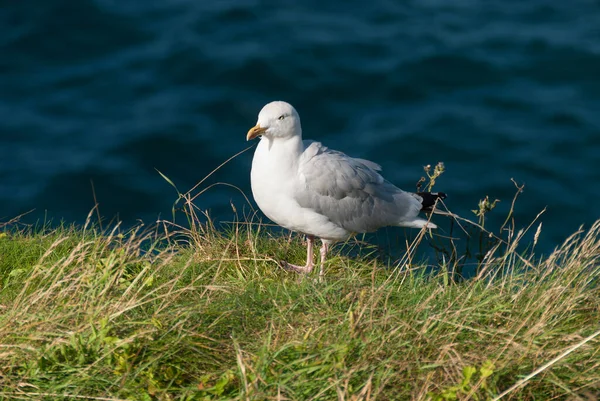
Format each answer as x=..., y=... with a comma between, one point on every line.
x=255, y=131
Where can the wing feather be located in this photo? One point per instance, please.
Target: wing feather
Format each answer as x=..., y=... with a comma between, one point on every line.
x=350, y=192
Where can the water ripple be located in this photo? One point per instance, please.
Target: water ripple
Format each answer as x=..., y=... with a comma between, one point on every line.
x=107, y=91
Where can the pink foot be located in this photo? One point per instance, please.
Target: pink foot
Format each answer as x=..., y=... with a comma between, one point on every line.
x=295, y=268
x=309, y=260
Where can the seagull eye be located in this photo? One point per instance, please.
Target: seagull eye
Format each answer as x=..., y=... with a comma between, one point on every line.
x=281, y=117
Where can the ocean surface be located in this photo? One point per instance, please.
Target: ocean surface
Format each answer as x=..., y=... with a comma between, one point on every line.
x=96, y=96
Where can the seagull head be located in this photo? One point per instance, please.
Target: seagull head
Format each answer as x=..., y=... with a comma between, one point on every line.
x=276, y=120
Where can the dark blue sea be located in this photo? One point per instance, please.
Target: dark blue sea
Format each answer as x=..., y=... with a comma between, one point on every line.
x=97, y=95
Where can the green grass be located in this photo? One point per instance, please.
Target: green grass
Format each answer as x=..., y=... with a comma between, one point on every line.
x=209, y=315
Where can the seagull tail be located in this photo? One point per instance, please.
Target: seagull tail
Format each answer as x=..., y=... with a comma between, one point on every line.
x=418, y=223
x=429, y=199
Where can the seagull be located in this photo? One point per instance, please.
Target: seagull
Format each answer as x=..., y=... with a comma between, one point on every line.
x=308, y=188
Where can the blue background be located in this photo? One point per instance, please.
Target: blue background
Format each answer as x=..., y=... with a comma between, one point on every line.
x=107, y=91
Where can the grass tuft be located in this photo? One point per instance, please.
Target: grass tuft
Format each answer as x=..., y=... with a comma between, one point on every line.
x=206, y=314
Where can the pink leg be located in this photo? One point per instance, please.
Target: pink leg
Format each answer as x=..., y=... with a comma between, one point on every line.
x=308, y=267
x=324, y=249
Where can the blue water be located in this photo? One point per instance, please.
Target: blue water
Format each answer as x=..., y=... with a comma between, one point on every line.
x=107, y=91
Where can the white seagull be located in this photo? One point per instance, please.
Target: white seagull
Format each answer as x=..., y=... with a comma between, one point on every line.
x=311, y=189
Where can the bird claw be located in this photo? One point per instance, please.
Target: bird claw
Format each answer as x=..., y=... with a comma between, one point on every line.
x=295, y=268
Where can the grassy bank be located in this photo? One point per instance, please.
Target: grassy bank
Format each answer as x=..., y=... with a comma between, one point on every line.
x=209, y=315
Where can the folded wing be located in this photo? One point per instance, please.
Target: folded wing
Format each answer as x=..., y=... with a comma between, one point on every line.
x=351, y=192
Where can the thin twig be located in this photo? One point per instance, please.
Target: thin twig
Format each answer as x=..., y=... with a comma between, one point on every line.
x=547, y=365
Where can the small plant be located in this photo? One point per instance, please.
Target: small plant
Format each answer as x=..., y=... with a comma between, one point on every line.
x=474, y=385
x=482, y=243
x=432, y=176
x=485, y=206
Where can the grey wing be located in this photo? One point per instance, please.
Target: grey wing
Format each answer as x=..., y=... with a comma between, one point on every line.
x=350, y=192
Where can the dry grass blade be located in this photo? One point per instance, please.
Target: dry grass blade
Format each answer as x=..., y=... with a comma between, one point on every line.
x=546, y=366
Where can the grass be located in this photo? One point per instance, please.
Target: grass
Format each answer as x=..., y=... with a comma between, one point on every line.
x=206, y=314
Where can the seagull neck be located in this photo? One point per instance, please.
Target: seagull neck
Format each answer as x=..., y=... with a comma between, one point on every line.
x=291, y=146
